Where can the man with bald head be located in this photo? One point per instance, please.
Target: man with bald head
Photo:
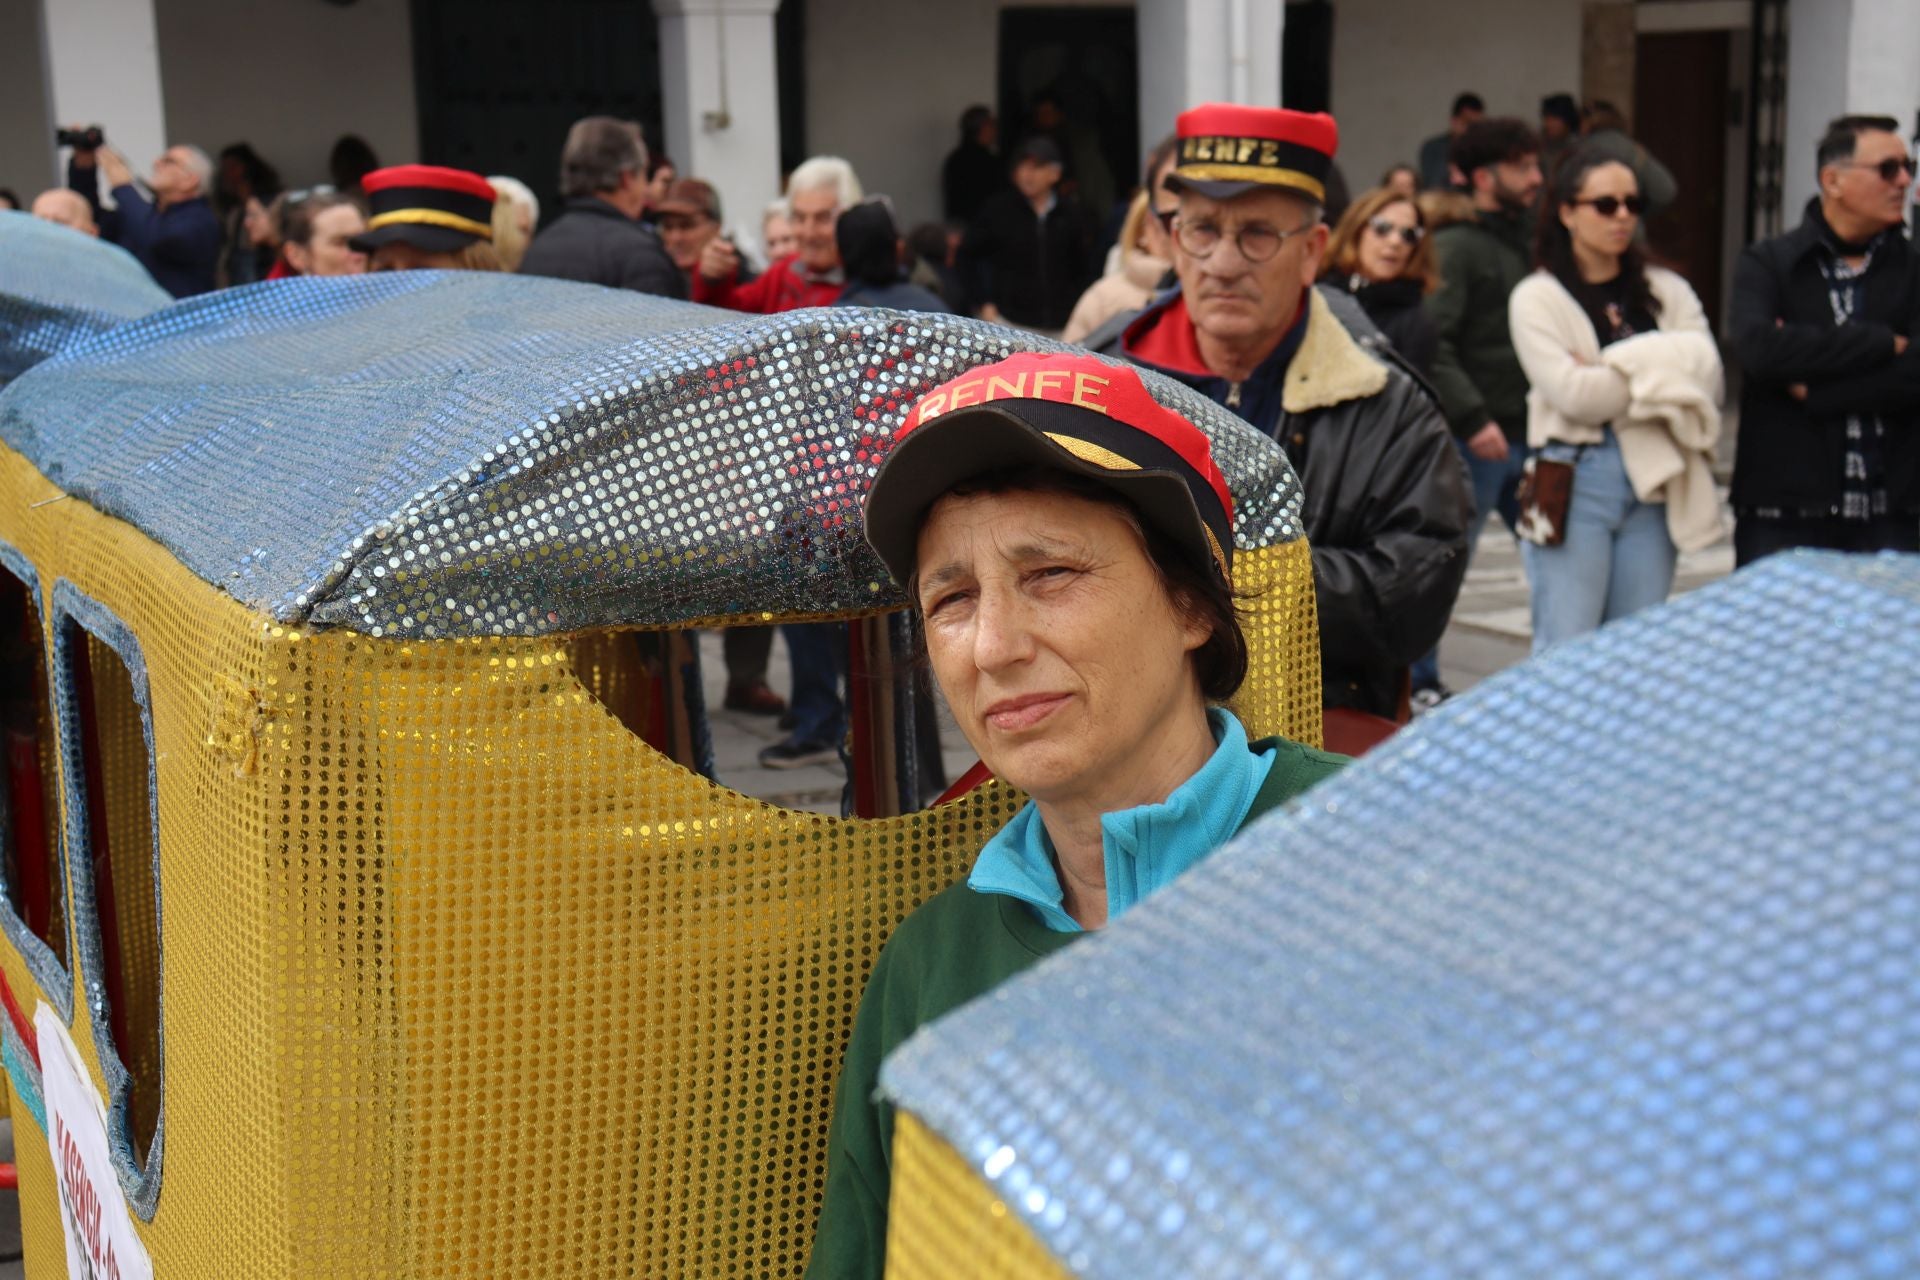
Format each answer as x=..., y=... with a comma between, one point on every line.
x=66, y=207
x=174, y=232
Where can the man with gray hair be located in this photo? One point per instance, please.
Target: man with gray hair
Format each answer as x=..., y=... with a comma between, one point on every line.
x=600, y=239
x=174, y=232
x=817, y=192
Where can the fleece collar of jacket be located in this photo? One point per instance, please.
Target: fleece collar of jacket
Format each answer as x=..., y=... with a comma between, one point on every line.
x=1330, y=367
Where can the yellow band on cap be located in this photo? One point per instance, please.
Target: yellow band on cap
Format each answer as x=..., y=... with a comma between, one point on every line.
x=1304, y=182
x=432, y=218
x=1087, y=451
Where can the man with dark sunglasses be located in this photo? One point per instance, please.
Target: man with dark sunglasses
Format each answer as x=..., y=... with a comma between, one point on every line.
x=1821, y=319
x=1386, y=498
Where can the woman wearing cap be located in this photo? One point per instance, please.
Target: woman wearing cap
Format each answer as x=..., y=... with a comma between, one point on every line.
x=1068, y=545
x=425, y=216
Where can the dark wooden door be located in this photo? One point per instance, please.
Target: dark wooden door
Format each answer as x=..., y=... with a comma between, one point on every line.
x=1087, y=61
x=500, y=81
x=1680, y=105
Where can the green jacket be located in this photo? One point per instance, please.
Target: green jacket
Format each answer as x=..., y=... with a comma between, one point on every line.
x=959, y=945
x=1477, y=374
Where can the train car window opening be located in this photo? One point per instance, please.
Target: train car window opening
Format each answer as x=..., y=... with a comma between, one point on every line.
x=35, y=887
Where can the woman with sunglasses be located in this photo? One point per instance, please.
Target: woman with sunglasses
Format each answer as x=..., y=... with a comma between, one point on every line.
x=1624, y=386
x=1381, y=255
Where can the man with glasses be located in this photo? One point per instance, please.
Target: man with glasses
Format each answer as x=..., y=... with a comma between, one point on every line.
x=1386, y=498
x=1821, y=320
x=173, y=232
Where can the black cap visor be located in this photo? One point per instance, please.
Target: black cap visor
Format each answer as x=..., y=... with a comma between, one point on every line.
x=936, y=458
x=418, y=234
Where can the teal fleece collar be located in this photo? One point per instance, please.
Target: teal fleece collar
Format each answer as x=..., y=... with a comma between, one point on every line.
x=1146, y=847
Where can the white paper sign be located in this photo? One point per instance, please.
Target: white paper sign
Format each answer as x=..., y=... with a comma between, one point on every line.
x=101, y=1244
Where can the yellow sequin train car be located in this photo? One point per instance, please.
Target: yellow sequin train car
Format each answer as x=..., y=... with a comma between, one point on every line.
x=365, y=880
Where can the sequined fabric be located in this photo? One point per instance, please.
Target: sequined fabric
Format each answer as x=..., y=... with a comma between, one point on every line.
x=429, y=455
x=1603, y=970
x=59, y=288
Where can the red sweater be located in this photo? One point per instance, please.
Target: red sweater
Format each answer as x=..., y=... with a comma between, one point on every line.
x=781, y=288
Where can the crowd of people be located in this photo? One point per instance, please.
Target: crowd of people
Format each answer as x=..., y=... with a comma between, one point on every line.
x=1485, y=331
x=1491, y=332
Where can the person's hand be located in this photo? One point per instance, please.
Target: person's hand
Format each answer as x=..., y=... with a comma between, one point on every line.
x=1798, y=390
x=1489, y=443
x=719, y=261
x=118, y=174
x=1899, y=344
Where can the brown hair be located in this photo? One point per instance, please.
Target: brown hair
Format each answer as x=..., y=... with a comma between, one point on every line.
x=1195, y=590
x=1343, y=251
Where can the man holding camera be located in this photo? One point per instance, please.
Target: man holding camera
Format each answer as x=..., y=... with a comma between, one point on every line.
x=173, y=232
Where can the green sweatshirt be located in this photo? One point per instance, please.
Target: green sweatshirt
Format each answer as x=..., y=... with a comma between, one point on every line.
x=1476, y=373
x=957, y=946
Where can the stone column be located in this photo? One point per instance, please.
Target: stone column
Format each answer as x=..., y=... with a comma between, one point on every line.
x=1206, y=51
x=1859, y=57
x=720, y=90
x=103, y=67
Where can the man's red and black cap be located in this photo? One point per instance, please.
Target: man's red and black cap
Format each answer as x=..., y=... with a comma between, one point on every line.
x=434, y=209
x=1073, y=413
x=1227, y=151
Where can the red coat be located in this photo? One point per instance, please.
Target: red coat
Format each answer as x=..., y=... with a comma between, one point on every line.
x=780, y=288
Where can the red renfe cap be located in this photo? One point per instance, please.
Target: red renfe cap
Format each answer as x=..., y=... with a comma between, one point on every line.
x=1227, y=151
x=432, y=208
x=1073, y=413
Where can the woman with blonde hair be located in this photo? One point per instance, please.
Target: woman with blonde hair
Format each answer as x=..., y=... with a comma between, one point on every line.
x=516, y=212
x=426, y=217
x=1145, y=254
x=1380, y=254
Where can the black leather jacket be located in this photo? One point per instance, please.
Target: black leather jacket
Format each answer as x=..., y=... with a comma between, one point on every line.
x=1387, y=497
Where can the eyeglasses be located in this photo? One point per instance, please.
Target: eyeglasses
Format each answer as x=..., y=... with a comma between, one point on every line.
x=1607, y=206
x=1889, y=169
x=1256, y=241
x=1388, y=228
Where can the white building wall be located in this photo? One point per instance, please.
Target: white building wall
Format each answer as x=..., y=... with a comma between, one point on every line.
x=1397, y=65
x=103, y=68
x=26, y=141
x=289, y=78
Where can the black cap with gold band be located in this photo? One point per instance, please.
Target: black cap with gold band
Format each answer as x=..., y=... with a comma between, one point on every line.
x=434, y=209
x=1227, y=150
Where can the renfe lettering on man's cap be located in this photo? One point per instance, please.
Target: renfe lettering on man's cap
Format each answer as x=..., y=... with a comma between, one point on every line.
x=1061, y=386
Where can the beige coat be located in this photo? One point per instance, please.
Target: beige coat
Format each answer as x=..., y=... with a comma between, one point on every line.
x=1660, y=392
x=1128, y=289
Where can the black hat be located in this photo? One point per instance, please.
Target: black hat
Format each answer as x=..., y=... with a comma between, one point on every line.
x=434, y=209
x=1039, y=148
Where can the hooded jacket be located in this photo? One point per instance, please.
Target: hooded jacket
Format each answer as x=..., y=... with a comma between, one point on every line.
x=1387, y=499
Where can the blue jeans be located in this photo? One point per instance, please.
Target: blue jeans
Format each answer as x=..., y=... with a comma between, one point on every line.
x=1493, y=487
x=817, y=652
x=1617, y=558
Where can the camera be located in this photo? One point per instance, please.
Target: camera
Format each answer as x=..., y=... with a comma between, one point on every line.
x=88, y=139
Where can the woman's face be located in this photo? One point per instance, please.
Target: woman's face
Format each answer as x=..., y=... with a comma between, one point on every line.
x=780, y=240
x=1161, y=204
x=1384, y=249
x=329, y=253
x=1597, y=232
x=1055, y=643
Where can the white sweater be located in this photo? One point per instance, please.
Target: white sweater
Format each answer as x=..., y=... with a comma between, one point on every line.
x=1659, y=391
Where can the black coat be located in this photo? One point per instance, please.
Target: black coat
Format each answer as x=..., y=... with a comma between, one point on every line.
x=1398, y=309
x=1387, y=498
x=596, y=243
x=972, y=173
x=1780, y=325
x=1034, y=269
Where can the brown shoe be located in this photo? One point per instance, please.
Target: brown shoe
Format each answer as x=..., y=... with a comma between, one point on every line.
x=756, y=699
